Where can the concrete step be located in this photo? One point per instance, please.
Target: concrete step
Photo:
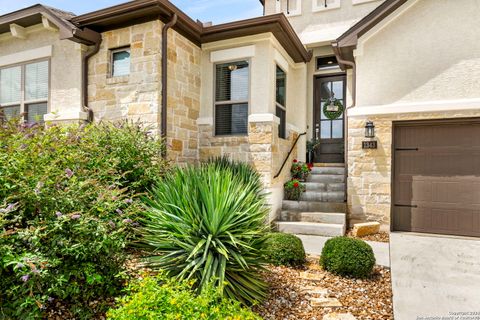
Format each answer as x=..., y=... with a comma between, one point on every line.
x=318, y=186
x=328, y=196
x=328, y=170
x=314, y=206
x=312, y=228
x=329, y=165
x=318, y=217
x=326, y=178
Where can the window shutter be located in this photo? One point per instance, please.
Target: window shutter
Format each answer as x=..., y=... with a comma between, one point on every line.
x=36, y=111
x=10, y=85
x=121, y=63
x=36, y=81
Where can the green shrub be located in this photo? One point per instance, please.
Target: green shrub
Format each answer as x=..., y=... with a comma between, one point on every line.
x=348, y=257
x=208, y=223
x=283, y=249
x=67, y=208
x=163, y=298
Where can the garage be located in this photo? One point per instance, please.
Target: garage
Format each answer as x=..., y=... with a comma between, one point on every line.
x=436, y=177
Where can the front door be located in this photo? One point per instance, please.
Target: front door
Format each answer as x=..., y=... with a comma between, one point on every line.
x=330, y=133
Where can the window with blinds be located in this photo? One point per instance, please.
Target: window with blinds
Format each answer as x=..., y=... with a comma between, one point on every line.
x=120, y=62
x=281, y=93
x=232, y=82
x=24, y=90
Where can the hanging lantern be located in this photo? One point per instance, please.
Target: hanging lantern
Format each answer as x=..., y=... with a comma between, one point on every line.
x=369, y=130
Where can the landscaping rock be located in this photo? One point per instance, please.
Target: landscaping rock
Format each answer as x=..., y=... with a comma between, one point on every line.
x=325, y=302
x=315, y=291
x=364, y=229
x=339, y=316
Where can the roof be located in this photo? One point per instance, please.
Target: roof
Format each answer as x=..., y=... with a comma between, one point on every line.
x=61, y=19
x=347, y=42
x=134, y=12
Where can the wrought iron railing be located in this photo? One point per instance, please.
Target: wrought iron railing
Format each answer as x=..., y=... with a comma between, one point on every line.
x=288, y=155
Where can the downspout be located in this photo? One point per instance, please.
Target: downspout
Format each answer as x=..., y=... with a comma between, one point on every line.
x=86, y=58
x=354, y=101
x=163, y=128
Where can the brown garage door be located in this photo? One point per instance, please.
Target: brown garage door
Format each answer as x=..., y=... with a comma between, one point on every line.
x=436, y=182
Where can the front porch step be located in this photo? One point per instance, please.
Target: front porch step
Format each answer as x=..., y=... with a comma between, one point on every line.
x=312, y=228
x=328, y=196
x=322, y=187
x=314, y=206
x=317, y=164
x=328, y=170
x=327, y=178
x=318, y=217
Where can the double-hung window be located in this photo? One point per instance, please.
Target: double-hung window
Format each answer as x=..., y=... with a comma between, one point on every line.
x=281, y=94
x=232, y=81
x=24, y=91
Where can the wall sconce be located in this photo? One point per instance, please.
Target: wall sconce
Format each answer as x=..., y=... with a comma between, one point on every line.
x=369, y=130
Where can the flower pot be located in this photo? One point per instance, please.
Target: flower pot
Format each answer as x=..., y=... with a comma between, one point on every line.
x=310, y=155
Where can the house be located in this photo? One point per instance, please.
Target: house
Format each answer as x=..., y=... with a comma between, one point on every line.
x=250, y=89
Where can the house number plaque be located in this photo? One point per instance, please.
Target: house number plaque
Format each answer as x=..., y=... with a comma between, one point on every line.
x=369, y=145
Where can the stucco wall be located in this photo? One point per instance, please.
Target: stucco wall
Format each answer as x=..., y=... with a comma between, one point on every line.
x=430, y=52
x=65, y=65
x=418, y=64
x=323, y=26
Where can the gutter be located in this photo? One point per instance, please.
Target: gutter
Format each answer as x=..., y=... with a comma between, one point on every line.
x=163, y=126
x=343, y=63
x=85, y=60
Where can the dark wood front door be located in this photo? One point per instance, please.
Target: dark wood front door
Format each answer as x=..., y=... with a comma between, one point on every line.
x=330, y=133
x=436, y=181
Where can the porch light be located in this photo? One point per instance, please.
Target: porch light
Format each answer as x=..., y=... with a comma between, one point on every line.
x=369, y=130
x=232, y=67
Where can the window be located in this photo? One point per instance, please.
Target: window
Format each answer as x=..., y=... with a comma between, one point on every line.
x=24, y=90
x=281, y=92
x=231, y=98
x=326, y=63
x=323, y=5
x=120, y=62
x=289, y=7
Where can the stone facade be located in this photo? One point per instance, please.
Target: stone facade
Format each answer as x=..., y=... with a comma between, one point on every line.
x=370, y=171
x=137, y=96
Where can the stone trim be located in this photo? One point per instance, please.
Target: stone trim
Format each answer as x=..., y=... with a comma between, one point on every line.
x=263, y=117
x=232, y=54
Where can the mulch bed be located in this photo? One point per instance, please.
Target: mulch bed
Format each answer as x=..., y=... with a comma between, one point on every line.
x=379, y=237
x=366, y=299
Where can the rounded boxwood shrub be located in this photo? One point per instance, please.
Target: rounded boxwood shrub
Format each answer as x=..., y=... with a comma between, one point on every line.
x=348, y=257
x=284, y=249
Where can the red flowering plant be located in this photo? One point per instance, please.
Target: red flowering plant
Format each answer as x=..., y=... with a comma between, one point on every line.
x=293, y=189
x=300, y=170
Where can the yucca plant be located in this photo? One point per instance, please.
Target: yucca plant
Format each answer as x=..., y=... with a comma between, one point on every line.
x=208, y=223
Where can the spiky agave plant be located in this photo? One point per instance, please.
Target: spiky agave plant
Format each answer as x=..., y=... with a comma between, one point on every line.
x=208, y=223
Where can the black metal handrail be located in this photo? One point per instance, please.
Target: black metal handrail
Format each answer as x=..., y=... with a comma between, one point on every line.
x=288, y=155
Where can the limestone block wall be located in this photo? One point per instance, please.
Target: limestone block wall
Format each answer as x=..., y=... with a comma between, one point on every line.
x=183, y=105
x=370, y=171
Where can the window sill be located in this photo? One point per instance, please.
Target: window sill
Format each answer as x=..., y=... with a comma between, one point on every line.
x=119, y=79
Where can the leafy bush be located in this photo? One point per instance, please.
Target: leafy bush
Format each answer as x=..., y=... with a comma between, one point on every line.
x=67, y=207
x=348, y=257
x=282, y=249
x=208, y=223
x=300, y=170
x=293, y=190
x=163, y=298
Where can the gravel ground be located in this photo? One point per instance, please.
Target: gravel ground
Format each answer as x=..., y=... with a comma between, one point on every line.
x=380, y=237
x=366, y=299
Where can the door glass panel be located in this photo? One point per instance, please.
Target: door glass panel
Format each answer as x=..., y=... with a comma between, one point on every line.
x=337, y=129
x=337, y=88
x=325, y=92
x=325, y=129
x=322, y=114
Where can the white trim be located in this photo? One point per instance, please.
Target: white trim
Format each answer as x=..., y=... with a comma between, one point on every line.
x=263, y=117
x=280, y=60
x=48, y=25
x=418, y=107
x=205, y=121
x=355, y=2
x=318, y=8
x=27, y=55
x=292, y=128
x=377, y=28
x=232, y=54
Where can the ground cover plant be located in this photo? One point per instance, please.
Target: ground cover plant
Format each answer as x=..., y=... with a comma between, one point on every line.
x=207, y=223
x=67, y=211
x=283, y=249
x=161, y=297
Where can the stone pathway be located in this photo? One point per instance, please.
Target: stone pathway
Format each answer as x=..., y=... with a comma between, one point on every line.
x=320, y=297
